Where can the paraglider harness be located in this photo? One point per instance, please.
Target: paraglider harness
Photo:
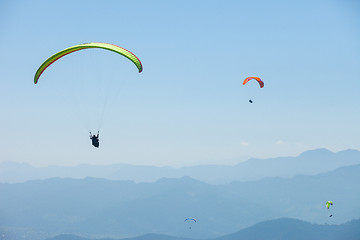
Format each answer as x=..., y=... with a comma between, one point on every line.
x=95, y=139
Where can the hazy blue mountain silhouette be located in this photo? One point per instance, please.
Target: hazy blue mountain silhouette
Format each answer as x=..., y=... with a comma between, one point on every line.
x=279, y=229
x=149, y=236
x=310, y=162
x=292, y=229
x=124, y=208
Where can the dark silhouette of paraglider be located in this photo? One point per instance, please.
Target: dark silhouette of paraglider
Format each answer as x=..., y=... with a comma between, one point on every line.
x=95, y=139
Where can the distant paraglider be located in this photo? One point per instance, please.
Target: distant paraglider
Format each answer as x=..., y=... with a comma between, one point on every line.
x=328, y=204
x=261, y=83
x=190, y=220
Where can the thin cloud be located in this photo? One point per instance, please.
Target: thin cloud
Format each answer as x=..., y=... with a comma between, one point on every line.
x=244, y=144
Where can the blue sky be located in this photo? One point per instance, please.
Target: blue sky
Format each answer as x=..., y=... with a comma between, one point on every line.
x=188, y=106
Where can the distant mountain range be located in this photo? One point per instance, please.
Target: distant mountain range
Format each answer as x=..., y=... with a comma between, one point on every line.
x=309, y=163
x=280, y=229
x=99, y=207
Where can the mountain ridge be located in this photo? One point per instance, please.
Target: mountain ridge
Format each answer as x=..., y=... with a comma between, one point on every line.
x=270, y=230
x=309, y=162
x=126, y=208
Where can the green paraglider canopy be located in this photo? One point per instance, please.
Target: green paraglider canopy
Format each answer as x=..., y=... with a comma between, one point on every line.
x=328, y=203
x=106, y=46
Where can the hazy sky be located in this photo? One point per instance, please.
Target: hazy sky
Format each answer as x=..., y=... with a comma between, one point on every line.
x=189, y=105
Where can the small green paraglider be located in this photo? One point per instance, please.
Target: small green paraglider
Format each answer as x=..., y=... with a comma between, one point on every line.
x=328, y=204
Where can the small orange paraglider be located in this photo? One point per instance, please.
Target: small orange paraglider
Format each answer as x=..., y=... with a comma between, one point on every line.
x=261, y=83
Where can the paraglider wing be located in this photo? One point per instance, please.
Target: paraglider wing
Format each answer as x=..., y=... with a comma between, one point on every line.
x=107, y=46
x=328, y=203
x=190, y=219
x=261, y=83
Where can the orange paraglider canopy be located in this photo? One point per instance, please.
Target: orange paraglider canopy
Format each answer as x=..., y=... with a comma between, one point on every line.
x=261, y=83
